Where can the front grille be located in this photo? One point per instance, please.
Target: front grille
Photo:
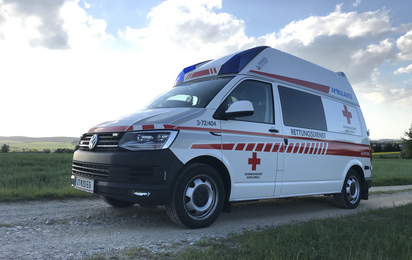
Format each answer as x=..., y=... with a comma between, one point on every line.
x=94, y=171
x=104, y=171
x=105, y=142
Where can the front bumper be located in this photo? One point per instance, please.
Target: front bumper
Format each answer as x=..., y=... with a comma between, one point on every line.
x=129, y=176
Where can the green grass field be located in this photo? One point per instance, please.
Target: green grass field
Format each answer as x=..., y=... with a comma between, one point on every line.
x=36, y=175
x=389, y=170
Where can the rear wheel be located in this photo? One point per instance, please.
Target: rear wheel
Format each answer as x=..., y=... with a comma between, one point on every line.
x=197, y=197
x=117, y=203
x=350, y=196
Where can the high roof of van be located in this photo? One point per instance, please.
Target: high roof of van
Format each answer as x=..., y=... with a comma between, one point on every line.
x=277, y=66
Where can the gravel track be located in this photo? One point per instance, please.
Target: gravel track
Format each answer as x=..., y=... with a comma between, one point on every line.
x=78, y=228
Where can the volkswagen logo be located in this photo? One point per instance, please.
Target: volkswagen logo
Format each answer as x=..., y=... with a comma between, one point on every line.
x=93, y=141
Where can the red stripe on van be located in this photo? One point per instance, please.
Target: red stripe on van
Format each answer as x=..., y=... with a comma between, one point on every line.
x=329, y=148
x=348, y=150
x=207, y=146
x=320, y=148
x=297, y=146
x=276, y=148
x=228, y=146
x=250, y=147
x=326, y=148
x=307, y=148
x=148, y=127
x=315, y=151
x=259, y=147
x=308, y=84
x=200, y=73
x=290, y=147
x=240, y=147
x=268, y=147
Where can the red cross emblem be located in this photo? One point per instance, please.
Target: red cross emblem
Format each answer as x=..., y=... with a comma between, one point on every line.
x=347, y=114
x=254, y=161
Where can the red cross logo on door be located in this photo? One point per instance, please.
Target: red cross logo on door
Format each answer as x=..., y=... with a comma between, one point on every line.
x=254, y=161
x=346, y=113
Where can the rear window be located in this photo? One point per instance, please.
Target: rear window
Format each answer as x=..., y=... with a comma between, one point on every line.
x=301, y=109
x=193, y=94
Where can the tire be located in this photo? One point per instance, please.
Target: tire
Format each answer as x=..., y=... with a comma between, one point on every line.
x=350, y=196
x=197, y=197
x=117, y=203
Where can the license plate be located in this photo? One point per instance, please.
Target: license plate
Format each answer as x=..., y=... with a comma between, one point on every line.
x=84, y=184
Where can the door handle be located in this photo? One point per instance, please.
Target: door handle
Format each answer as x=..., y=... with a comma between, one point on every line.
x=273, y=130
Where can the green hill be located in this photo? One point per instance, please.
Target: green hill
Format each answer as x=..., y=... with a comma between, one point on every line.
x=23, y=143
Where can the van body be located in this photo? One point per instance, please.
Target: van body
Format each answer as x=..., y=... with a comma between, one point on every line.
x=252, y=125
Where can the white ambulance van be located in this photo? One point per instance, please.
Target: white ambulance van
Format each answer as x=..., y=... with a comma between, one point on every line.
x=252, y=125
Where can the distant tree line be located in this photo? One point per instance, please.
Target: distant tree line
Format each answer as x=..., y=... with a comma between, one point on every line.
x=389, y=147
x=6, y=148
x=64, y=150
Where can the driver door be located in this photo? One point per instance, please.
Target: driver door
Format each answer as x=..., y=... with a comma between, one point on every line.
x=250, y=144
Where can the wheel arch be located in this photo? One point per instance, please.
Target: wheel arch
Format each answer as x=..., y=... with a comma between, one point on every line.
x=223, y=172
x=359, y=170
x=354, y=165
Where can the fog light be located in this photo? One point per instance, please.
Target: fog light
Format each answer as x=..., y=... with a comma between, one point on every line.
x=142, y=193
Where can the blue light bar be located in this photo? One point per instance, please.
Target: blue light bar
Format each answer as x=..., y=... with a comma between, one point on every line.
x=181, y=75
x=239, y=61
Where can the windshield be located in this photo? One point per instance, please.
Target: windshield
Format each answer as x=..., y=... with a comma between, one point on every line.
x=193, y=94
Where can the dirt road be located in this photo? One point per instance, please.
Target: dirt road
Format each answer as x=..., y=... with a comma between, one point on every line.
x=77, y=228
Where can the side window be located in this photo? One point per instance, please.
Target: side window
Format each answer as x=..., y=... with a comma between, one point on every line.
x=261, y=97
x=301, y=109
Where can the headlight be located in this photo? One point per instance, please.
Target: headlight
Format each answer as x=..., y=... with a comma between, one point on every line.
x=148, y=140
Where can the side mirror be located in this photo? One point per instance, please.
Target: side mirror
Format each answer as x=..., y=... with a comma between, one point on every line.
x=239, y=109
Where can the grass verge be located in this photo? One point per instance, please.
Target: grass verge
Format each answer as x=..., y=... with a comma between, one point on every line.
x=376, y=234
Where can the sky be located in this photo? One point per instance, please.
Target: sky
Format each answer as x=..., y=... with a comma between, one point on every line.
x=66, y=65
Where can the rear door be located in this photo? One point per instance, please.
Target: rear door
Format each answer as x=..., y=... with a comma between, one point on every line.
x=250, y=144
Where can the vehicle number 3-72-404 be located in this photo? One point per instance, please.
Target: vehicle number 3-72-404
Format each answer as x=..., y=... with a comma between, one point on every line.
x=206, y=123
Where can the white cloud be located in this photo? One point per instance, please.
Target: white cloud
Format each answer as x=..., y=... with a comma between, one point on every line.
x=404, y=70
x=404, y=43
x=374, y=53
x=379, y=91
x=86, y=5
x=192, y=26
x=70, y=59
x=352, y=25
x=356, y=3
x=85, y=31
x=51, y=34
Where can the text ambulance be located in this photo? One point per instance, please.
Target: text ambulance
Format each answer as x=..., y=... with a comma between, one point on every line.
x=256, y=124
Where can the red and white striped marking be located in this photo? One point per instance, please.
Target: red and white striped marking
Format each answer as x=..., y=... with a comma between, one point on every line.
x=201, y=73
x=310, y=148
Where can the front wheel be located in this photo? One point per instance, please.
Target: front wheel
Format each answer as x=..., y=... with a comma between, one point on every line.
x=197, y=197
x=350, y=196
